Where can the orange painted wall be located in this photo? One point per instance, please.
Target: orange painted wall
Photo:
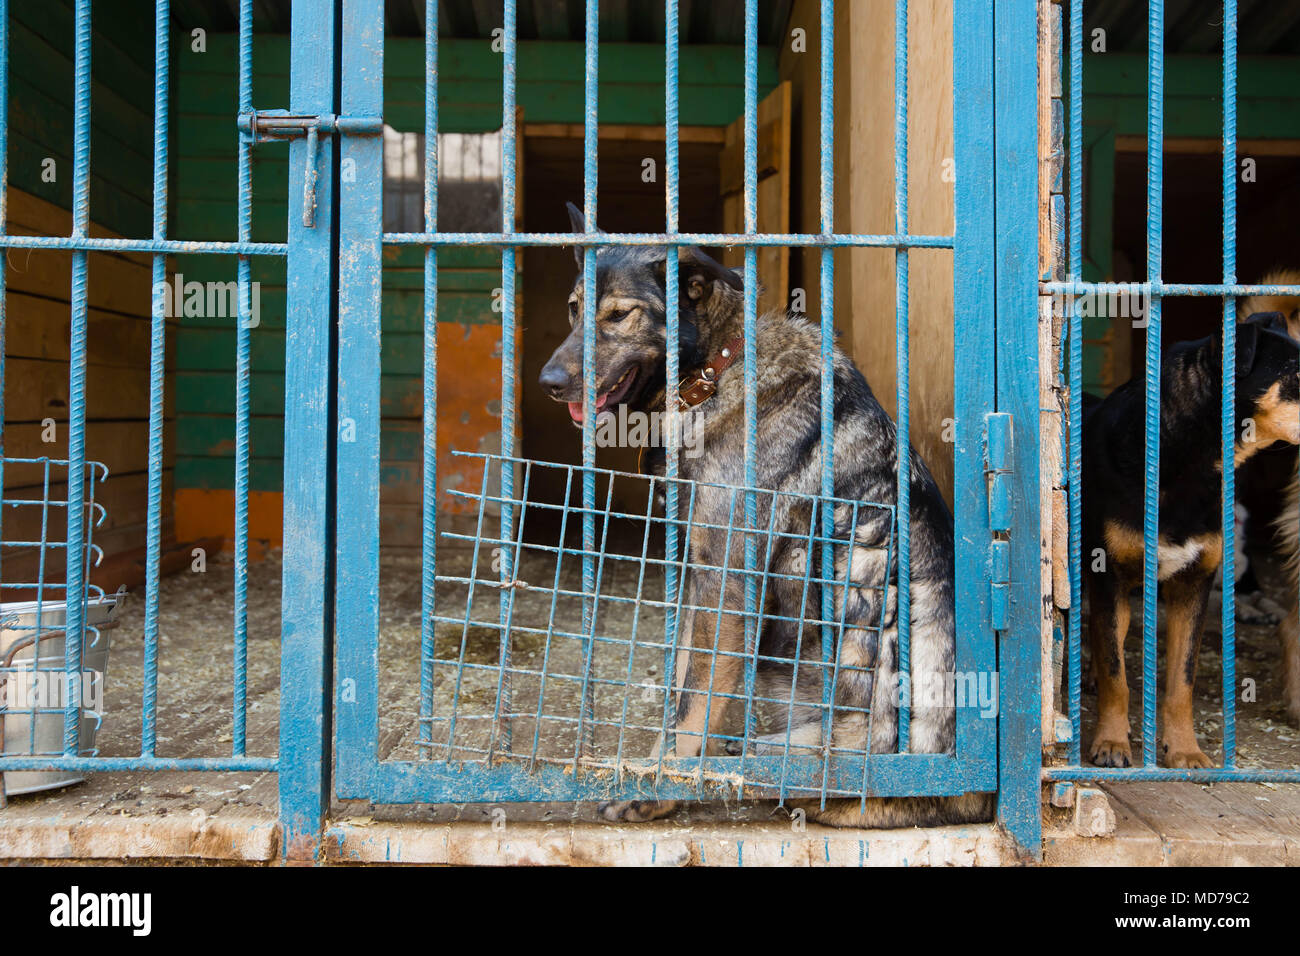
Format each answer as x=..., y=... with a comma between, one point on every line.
x=469, y=419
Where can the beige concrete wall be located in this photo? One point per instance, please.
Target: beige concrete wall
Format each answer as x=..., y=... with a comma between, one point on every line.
x=864, y=198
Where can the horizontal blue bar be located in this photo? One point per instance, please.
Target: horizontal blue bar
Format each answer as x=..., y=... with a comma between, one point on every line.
x=508, y=781
x=661, y=239
x=43, y=460
x=1164, y=289
x=98, y=244
x=93, y=764
x=1202, y=775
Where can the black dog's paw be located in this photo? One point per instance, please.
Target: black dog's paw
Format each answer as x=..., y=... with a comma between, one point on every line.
x=635, y=811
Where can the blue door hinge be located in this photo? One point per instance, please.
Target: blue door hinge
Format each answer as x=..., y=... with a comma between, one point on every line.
x=262, y=126
x=999, y=456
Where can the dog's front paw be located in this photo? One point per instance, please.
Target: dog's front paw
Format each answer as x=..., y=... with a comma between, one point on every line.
x=635, y=811
x=1186, y=757
x=1111, y=752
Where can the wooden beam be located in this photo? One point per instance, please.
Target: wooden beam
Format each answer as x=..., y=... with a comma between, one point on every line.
x=685, y=134
x=616, y=21
x=552, y=20
x=1127, y=143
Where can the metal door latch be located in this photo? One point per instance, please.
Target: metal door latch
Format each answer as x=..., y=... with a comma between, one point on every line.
x=261, y=126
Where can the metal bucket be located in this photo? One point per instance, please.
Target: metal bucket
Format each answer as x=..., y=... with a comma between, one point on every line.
x=31, y=700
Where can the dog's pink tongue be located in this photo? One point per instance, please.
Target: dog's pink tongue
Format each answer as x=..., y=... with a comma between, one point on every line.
x=575, y=408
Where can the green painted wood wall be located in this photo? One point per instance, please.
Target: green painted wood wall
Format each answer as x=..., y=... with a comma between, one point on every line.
x=40, y=110
x=203, y=200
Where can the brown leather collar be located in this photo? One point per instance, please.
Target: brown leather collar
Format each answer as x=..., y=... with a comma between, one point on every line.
x=700, y=385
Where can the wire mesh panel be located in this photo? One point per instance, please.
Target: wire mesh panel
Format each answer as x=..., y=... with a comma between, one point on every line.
x=1178, y=499
x=514, y=679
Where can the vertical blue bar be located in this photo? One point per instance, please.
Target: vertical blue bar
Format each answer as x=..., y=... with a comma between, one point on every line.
x=672, y=183
x=974, y=332
x=1076, y=378
x=157, y=348
x=1228, y=411
x=307, y=611
x=1151, y=495
x=357, y=514
x=1016, y=263
x=590, y=135
x=903, y=359
x=243, y=450
x=826, y=197
x=751, y=357
x=4, y=207
x=429, y=494
x=76, y=537
x=508, y=156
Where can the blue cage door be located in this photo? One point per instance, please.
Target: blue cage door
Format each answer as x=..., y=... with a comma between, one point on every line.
x=360, y=772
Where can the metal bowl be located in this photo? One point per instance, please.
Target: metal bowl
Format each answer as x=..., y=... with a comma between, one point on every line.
x=32, y=686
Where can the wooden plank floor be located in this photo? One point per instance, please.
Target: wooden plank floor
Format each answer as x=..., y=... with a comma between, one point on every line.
x=1188, y=824
x=232, y=817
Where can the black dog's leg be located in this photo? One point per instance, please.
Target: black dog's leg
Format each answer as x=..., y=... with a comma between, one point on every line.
x=1108, y=622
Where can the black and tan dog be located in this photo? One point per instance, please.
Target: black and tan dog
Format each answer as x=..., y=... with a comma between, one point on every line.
x=630, y=350
x=1190, y=527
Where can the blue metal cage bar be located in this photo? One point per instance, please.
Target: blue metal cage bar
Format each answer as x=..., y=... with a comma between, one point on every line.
x=243, y=372
x=903, y=359
x=750, y=372
x=1075, y=380
x=429, y=487
x=1151, y=492
x=157, y=356
x=590, y=143
x=76, y=576
x=672, y=187
x=826, y=222
x=508, y=253
x=591, y=240
x=4, y=226
x=1228, y=420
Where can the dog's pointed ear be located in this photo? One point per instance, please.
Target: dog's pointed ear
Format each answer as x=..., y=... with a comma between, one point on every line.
x=698, y=272
x=1268, y=320
x=1247, y=341
x=579, y=224
x=576, y=219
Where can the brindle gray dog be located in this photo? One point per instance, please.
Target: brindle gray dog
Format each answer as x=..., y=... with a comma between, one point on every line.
x=630, y=345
